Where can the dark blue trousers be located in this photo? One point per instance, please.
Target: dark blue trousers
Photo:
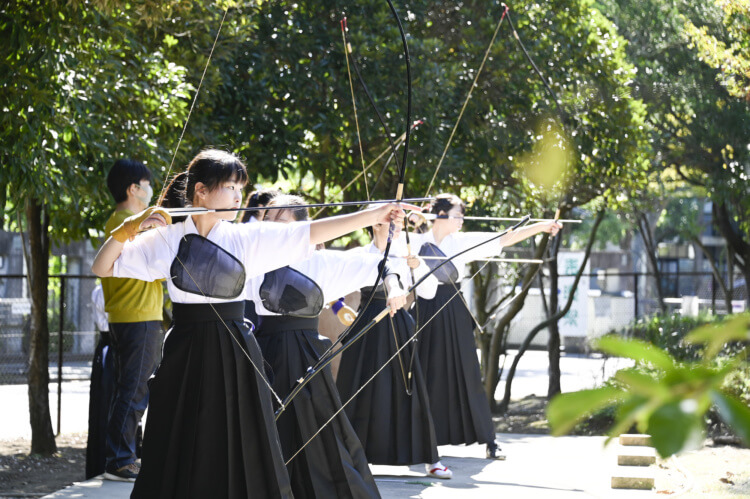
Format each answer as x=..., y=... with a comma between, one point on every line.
x=137, y=349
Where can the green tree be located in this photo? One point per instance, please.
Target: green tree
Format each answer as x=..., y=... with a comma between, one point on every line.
x=80, y=88
x=698, y=130
x=728, y=53
x=285, y=103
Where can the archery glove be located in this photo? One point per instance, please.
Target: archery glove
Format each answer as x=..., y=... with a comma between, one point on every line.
x=132, y=225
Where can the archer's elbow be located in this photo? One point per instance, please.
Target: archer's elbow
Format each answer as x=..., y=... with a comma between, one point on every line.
x=101, y=270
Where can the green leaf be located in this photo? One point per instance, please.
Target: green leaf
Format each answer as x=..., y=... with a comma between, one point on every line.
x=637, y=350
x=675, y=427
x=642, y=384
x=568, y=409
x=734, y=413
x=630, y=412
x=715, y=336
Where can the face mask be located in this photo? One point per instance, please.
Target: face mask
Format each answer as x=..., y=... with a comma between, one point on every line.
x=148, y=193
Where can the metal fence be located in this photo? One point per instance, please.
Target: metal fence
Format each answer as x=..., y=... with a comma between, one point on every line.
x=73, y=335
x=613, y=300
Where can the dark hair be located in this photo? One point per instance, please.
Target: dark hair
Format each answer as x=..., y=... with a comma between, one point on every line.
x=261, y=197
x=299, y=214
x=123, y=174
x=213, y=167
x=444, y=203
x=174, y=195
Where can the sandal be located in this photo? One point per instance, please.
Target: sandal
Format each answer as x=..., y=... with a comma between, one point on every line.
x=437, y=470
x=495, y=452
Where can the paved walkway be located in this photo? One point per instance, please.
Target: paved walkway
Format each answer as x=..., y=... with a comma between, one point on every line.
x=538, y=467
x=578, y=372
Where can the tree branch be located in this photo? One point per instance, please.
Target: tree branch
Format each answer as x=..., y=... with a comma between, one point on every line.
x=542, y=325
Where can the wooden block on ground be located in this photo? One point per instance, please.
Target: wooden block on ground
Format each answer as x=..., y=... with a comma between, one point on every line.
x=635, y=439
x=636, y=455
x=633, y=477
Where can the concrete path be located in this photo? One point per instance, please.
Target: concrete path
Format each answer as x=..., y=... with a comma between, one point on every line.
x=537, y=467
x=578, y=372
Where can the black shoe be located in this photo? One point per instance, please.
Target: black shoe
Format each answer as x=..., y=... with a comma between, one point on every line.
x=495, y=452
x=127, y=473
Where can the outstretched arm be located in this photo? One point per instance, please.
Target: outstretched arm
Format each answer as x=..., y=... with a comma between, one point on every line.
x=333, y=227
x=530, y=230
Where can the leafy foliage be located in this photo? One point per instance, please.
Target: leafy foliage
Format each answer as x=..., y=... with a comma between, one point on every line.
x=285, y=102
x=668, y=332
x=698, y=130
x=662, y=396
x=79, y=90
x=730, y=55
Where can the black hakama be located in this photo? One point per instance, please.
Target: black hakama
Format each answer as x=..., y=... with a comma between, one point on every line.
x=333, y=464
x=250, y=313
x=448, y=354
x=394, y=428
x=210, y=430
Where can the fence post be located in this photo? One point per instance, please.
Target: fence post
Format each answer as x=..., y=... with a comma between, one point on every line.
x=635, y=293
x=713, y=294
x=60, y=351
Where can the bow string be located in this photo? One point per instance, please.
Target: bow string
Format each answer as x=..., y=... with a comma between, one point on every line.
x=260, y=372
x=313, y=370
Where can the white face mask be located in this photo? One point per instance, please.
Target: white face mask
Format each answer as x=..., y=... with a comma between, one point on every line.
x=148, y=193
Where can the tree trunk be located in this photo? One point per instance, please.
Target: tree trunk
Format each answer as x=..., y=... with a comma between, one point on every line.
x=730, y=276
x=715, y=269
x=740, y=247
x=496, y=339
x=532, y=334
x=645, y=229
x=42, y=437
x=496, y=344
x=553, y=346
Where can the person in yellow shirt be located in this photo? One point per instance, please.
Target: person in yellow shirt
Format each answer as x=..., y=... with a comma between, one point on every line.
x=134, y=308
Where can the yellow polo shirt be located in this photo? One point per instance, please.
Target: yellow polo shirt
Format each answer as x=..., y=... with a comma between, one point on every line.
x=130, y=300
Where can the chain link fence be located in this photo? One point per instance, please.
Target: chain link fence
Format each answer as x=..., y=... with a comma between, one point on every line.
x=610, y=301
x=604, y=302
x=70, y=315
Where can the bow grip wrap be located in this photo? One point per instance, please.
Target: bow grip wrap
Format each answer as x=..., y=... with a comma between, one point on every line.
x=132, y=225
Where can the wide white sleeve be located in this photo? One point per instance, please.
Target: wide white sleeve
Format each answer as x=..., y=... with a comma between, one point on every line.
x=147, y=258
x=346, y=271
x=268, y=246
x=464, y=240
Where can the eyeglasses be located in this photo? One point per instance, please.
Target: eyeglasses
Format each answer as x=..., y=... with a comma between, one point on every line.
x=443, y=217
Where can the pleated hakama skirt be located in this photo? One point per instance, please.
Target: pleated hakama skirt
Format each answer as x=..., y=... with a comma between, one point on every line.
x=395, y=428
x=210, y=430
x=333, y=463
x=448, y=355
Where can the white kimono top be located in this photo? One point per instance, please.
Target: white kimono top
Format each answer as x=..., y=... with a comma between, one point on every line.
x=459, y=241
x=259, y=247
x=337, y=273
x=425, y=290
